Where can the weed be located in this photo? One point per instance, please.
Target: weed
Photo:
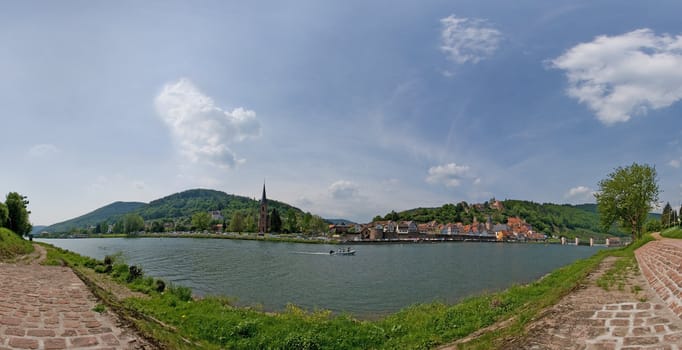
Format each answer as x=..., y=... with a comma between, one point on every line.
x=99, y=308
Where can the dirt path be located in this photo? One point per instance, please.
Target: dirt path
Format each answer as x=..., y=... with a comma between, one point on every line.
x=633, y=317
x=48, y=307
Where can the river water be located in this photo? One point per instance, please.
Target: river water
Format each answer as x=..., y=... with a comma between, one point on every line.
x=378, y=280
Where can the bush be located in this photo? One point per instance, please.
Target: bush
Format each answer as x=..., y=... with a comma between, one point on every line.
x=182, y=293
x=134, y=273
x=160, y=286
x=301, y=342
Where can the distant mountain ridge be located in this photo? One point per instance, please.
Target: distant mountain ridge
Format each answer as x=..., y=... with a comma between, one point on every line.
x=175, y=206
x=112, y=211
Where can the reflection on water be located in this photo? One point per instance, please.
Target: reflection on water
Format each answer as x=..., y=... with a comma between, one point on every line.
x=379, y=279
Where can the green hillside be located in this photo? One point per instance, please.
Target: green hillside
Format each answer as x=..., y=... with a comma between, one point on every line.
x=177, y=208
x=111, y=212
x=555, y=219
x=186, y=203
x=11, y=245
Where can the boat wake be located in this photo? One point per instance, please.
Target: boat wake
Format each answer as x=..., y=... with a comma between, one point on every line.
x=310, y=253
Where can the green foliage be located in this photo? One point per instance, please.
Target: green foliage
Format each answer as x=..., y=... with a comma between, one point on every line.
x=17, y=210
x=626, y=196
x=4, y=215
x=12, y=246
x=111, y=213
x=554, y=219
x=178, y=208
x=653, y=225
x=201, y=220
x=99, y=308
x=674, y=232
x=275, y=221
x=237, y=222
x=133, y=223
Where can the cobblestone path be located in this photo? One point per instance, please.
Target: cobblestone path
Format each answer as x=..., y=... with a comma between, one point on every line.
x=593, y=318
x=661, y=263
x=49, y=307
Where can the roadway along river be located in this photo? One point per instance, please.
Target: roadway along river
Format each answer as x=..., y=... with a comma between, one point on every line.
x=378, y=280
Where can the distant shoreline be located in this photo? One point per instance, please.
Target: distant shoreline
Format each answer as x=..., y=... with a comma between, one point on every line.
x=314, y=240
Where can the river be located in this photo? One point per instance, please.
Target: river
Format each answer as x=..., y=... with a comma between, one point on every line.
x=379, y=279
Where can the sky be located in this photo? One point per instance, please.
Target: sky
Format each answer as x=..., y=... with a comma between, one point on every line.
x=346, y=109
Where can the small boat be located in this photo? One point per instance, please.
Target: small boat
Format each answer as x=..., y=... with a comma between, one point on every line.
x=342, y=251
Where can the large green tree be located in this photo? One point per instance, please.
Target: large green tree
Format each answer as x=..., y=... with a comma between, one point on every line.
x=17, y=213
x=201, y=220
x=133, y=223
x=4, y=215
x=275, y=221
x=666, y=215
x=626, y=196
x=237, y=222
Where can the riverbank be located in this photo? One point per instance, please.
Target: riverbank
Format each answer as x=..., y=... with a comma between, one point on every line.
x=234, y=236
x=214, y=322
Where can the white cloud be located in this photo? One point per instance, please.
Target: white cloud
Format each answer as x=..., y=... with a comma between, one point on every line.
x=42, y=150
x=450, y=174
x=468, y=39
x=202, y=130
x=580, y=193
x=624, y=75
x=675, y=163
x=343, y=189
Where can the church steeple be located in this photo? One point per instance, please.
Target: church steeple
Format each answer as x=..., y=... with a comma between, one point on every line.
x=263, y=217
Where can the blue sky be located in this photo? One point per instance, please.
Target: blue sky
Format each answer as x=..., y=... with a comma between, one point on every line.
x=347, y=109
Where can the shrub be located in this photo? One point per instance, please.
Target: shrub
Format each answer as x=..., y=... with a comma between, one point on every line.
x=182, y=293
x=301, y=342
x=134, y=273
x=160, y=286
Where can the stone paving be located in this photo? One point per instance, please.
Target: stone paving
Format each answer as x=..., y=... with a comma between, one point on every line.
x=49, y=307
x=593, y=318
x=661, y=264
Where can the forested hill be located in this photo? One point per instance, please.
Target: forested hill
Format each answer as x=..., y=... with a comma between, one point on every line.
x=113, y=211
x=176, y=207
x=572, y=220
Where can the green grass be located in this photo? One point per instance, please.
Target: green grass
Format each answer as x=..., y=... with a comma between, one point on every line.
x=179, y=321
x=12, y=245
x=673, y=232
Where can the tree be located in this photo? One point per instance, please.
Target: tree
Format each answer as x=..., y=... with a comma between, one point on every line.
x=201, y=220
x=318, y=225
x=4, y=215
x=680, y=215
x=666, y=216
x=17, y=214
x=291, y=221
x=133, y=223
x=118, y=227
x=626, y=196
x=275, y=221
x=237, y=222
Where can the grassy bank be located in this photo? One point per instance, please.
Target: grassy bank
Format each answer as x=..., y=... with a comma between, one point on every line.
x=11, y=245
x=180, y=322
x=673, y=232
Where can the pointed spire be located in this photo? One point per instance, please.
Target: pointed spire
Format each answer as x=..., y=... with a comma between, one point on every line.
x=263, y=199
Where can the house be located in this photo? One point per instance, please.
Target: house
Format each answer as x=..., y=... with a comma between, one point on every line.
x=339, y=229
x=216, y=215
x=449, y=229
x=407, y=228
